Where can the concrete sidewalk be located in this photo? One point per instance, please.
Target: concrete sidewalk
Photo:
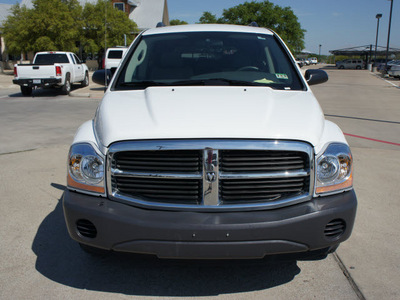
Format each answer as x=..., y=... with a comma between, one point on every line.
x=6, y=78
x=93, y=90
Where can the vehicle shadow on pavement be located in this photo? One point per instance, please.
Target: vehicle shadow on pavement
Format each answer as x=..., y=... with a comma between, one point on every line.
x=49, y=92
x=60, y=259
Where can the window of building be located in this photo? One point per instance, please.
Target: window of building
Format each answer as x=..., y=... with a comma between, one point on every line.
x=119, y=5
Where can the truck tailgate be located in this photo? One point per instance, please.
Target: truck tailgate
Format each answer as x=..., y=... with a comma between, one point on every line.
x=36, y=71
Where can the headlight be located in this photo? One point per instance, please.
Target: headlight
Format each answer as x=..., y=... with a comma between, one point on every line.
x=334, y=169
x=85, y=169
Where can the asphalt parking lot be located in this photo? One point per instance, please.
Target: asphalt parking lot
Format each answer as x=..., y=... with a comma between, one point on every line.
x=40, y=261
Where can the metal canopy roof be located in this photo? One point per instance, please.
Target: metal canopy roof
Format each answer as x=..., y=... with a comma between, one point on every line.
x=365, y=50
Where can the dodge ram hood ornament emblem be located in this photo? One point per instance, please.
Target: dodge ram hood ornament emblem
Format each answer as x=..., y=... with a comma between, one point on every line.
x=211, y=176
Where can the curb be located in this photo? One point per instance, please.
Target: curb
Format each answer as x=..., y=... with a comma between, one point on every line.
x=79, y=94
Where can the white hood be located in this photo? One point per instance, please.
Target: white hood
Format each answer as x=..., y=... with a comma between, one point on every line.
x=209, y=112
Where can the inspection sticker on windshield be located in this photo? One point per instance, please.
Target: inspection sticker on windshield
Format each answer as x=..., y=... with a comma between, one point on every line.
x=281, y=76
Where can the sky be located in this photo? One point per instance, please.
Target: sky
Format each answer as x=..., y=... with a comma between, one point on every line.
x=333, y=24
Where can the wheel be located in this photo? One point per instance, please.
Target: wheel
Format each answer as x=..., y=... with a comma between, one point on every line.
x=26, y=90
x=341, y=67
x=85, y=81
x=93, y=250
x=248, y=68
x=66, y=88
x=358, y=68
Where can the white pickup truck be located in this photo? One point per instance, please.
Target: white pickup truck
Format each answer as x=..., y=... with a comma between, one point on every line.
x=51, y=69
x=209, y=144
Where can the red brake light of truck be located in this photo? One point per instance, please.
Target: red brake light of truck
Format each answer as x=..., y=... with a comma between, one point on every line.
x=15, y=72
x=58, y=71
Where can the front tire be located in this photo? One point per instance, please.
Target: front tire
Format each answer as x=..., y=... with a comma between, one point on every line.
x=26, y=90
x=66, y=88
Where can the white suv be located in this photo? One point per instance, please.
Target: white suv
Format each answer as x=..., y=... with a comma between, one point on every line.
x=209, y=143
x=113, y=57
x=351, y=64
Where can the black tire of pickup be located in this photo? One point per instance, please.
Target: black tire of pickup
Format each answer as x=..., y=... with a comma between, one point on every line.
x=66, y=88
x=26, y=90
x=85, y=81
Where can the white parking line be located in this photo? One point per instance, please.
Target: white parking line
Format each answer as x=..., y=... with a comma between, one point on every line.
x=392, y=83
x=395, y=85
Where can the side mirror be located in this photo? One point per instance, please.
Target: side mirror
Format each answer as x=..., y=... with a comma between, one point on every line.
x=102, y=77
x=316, y=76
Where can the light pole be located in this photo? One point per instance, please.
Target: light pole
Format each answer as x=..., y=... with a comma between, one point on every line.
x=378, y=16
x=390, y=23
x=320, y=50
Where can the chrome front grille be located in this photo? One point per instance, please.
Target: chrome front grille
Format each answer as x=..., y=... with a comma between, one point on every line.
x=210, y=174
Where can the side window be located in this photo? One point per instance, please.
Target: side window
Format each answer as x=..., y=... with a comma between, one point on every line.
x=72, y=59
x=78, y=61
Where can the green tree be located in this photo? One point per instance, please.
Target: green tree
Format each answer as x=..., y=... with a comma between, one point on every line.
x=208, y=18
x=177, y=22
x=105, y=26
x=15, y=30
x=50, y=25
x=266, y=14
x=65, y=25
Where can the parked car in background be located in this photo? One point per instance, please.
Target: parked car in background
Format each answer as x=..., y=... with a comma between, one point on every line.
x=300, y=62
x=384, y=69
x=51, y=69
x=113, y=57
x=313, y=60
x=351, y=64
x=394, y=71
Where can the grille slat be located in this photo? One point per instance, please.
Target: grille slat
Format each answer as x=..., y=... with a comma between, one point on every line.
x=256, y=161
x=159, y=190
x=152, y=162
x=228, y=158
x=260, y=168
x=240, y=190
x=158, y=161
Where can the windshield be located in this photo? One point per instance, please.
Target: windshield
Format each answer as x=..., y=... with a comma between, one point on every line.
x=51, y=59
x=208, y=58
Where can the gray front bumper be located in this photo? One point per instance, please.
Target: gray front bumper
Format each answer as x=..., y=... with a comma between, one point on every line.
x=182, y=234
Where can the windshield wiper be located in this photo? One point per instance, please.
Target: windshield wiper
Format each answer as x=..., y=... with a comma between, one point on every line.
x=216, y=81
x=197, y=82
x=144, y=83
